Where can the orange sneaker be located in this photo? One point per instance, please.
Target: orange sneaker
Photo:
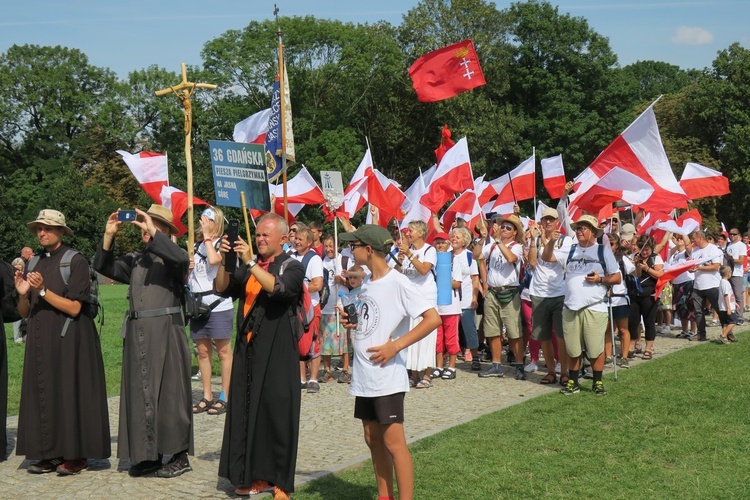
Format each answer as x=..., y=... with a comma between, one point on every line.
x=279, y=494
x=254, y=489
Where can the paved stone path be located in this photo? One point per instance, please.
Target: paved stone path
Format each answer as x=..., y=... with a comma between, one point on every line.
x=330, y=438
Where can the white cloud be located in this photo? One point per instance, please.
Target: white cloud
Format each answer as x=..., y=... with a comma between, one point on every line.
x=692, y=36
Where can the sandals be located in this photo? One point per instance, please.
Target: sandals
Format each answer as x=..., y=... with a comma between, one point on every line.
x=203, y=405
x=548, y=379
x=448, y=374
x=564, y=380
x=219, y=407
x=436, y=373
x=647, y=355
x=425, y=383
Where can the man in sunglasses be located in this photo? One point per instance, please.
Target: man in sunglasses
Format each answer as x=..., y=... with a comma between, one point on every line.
x=738, y=250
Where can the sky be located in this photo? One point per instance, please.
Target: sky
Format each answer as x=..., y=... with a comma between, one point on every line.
x=134, y=34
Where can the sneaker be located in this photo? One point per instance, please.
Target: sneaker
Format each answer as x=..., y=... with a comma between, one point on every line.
x=279, y=494
x=531, y=367
x=45, y=466
x=692, y=335
x=344, y=378
x=197, y=376
x=608, y=360
x=496, y=370
x=732, y=338
x=313, y=386
x=303, y=385
x=623, y=363
x=476, y=365
x=599, y=389
x=558, y=368
x=467, y=356
x=72, y=467
x=683, y=335
x=571, y=388
x=177, y=466
x=520, y=374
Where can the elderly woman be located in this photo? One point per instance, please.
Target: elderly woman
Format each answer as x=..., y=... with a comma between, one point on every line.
x=649, y=266
x=218, y=327
x=417, y=260
x=465, y=262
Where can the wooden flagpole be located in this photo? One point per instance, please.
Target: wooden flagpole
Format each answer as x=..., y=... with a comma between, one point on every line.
x=184, y=90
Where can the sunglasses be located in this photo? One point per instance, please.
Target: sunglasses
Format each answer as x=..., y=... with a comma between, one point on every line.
x=507, y=227
x=734, y=234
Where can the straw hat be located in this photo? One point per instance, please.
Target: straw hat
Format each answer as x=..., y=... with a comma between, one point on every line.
x=49, y=217
x=162, y=214
x=513, y=219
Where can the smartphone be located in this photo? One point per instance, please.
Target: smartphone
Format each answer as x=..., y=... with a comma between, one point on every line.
x=591, y=274
x=126, y=215
x=233, y=232
x=351, y=312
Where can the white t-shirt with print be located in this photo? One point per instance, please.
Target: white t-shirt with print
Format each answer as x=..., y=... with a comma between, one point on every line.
x=674, y=260
x=386, y=308
x=202, y=277
x=314, y=270
x=710, y=254
x=725, y=288
x=549, y=277
x=579, y=293
x=466, y=270
x=424, y=282
x=500, y=272
x=737, y=250
x=332, y=266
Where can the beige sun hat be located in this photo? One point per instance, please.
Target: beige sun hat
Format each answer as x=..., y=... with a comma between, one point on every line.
x=513, y=219
x=591, y=221
x=49, y=217
x=163, y=214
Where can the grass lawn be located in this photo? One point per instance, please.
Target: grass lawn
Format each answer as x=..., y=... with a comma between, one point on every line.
x=676, y=427
x=113, y=297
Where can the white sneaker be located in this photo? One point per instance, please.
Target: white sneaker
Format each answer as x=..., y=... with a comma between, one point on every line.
x=197, y=376
x=558, y=368
x=530, y=368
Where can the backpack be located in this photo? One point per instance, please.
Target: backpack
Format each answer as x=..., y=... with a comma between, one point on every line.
x=324, y=292
x=302, y=317
x=728, y=259
x=93, y=300
x=599, y=255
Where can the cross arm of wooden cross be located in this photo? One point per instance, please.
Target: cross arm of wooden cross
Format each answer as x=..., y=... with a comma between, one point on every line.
x=185, y=84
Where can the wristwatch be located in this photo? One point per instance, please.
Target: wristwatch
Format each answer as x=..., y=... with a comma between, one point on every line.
x=43, y=292
x=252, y=263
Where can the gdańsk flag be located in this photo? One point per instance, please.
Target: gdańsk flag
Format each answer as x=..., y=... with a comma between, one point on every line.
x=701, y=182
x=253, y=129
x=150, y=170
x=446, y=72
x=453, y=175
x=554, y=176
x=177, y=201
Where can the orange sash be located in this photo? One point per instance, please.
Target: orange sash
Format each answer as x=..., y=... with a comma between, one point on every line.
x=252, y=290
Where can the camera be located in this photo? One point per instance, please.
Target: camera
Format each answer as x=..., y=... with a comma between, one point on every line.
x=351, y=312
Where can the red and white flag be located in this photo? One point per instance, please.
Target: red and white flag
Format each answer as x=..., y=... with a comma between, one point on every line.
x=615, y=185
x=446, y=72
x=301, y=190
x=701, y=182
x=177, y=201
x=523, y=188
x=639, y=150
x=386, y=195
x=453, y=175
x=253, y=129
x=150, y=170
x=671, y=273
x=467, y=207
x=687, y=223
x=554, y=176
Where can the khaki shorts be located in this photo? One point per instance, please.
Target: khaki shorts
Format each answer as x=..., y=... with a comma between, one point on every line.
x=546, y=314
x=497, y=315
x=584, y=328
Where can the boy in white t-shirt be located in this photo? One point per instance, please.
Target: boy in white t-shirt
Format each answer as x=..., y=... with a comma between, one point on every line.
x=727, y=307
x=381, y=336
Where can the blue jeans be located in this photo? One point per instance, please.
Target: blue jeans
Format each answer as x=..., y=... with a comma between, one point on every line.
x=469, y=328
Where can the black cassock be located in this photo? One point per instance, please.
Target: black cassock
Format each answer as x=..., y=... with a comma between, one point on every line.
x=8, y=314
x=262, y=423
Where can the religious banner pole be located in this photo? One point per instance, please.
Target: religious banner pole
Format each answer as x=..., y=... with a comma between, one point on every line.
x=282, y=124
x=184, y=90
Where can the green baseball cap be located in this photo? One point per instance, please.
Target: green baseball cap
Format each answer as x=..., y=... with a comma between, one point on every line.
x=372, y=235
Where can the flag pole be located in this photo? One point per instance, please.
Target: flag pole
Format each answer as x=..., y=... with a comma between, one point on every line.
x=281, y=112
x=247, y=224
x=533, y=155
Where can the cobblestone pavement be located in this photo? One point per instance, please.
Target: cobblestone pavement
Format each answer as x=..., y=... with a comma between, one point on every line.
x=330, y=438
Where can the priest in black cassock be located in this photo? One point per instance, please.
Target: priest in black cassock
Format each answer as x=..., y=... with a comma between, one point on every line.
x=8, y=314
x=262, y=424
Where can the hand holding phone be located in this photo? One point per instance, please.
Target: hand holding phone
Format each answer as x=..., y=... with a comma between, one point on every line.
x=233, y=232
x=127, y=215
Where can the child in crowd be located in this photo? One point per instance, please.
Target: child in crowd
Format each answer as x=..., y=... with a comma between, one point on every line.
x=333, y=336
x=727, y=307
x=353, y=296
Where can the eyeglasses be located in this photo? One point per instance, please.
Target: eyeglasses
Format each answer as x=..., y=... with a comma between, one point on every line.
x=356, y=245
x=507, y=227
x=734, y=234
x=582, y=228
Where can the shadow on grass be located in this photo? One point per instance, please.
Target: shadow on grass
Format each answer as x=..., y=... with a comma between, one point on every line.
x=336, y=487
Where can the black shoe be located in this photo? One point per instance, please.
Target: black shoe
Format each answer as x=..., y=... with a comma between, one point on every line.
x=175, y=467
x=145, y=468
x=45, y=466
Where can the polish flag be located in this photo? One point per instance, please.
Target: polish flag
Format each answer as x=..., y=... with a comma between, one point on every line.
x=650, y=220
x=355, y=197
x=177, y=201
x=701, y=182
x=524, y=188
x=554, y=176
x=453, y=175
x=150, y=170
x=540, y=207
x=687, y=223
x=386, y=195
x=253, y=129
x=301, y=190
x=671, y=273
x=639, y=150
x=615, y=185
x=467, y=207
x=606, y=213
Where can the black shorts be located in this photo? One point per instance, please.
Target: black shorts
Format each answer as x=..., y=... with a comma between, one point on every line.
x=383, y=409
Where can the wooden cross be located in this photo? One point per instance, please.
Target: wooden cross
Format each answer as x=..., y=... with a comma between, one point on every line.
x=184, y=90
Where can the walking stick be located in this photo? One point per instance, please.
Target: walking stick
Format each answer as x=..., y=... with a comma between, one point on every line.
x=612, y=330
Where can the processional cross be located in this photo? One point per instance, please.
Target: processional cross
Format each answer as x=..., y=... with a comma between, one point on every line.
x=184, y=91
